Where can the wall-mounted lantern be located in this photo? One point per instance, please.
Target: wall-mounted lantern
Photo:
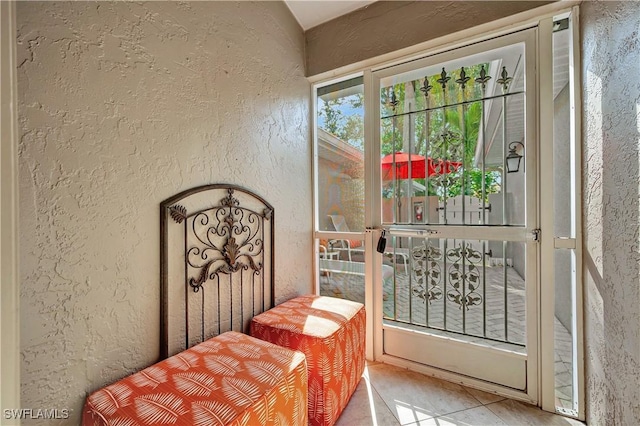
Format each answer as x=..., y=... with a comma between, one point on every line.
x=513, y=158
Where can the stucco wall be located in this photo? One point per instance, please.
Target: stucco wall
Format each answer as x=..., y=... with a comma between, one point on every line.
x=121, y=106
x=387, y=26
x=610, y=62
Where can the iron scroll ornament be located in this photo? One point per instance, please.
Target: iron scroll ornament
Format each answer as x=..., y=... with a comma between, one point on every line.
x=222, y=240
x=234, y=298
x=426, y=265
x=463, y=274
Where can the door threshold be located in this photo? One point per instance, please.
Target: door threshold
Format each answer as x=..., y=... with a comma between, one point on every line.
x=460, y=379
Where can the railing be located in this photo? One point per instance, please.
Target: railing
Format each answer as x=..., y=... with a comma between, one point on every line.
x=454, y=286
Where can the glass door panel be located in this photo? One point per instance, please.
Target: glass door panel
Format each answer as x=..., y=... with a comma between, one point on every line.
x=565, y=177
x=459, y=201
x=446, y=132
x=340, y=189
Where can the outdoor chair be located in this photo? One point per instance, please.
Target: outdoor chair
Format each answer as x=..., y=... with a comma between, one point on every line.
x=327, y=251
x=351, y=288
x=356, y=246
x=340, y=225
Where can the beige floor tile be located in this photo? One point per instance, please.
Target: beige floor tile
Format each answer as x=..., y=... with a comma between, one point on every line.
x=397, y=396
x=479, y=416
x=484, y=397
x=366, y=408
x=520, y=414
x=413, y=397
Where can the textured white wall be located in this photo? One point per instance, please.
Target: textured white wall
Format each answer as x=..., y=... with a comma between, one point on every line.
x=121, y=106
x=611, y=183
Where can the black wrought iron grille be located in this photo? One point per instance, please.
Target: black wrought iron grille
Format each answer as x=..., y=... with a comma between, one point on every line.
x=455, y=286
x=446, y=136
x=449, y=120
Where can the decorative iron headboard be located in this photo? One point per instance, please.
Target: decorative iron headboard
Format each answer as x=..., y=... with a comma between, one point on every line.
x=216, y=240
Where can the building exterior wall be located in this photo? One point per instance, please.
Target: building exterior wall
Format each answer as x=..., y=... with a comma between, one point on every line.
x=122, y=105
x=611, y=180
x=387, y=26
x=339, y=194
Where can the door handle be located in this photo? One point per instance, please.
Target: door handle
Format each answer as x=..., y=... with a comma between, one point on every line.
x=412, y=232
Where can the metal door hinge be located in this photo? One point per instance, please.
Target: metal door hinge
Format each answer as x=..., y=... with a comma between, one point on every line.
x=536, y=234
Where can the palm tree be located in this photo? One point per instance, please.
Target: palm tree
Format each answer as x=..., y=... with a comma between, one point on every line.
x=452, y=130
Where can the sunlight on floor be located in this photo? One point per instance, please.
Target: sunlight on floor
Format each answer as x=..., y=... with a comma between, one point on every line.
x=390, y=396
x=372, y=407
x=408, y=414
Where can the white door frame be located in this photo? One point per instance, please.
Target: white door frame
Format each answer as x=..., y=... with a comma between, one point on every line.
x=514, y=361
x=549, y=242
x=9, y=290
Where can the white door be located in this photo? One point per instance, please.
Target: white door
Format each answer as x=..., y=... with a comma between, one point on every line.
x=461, y=228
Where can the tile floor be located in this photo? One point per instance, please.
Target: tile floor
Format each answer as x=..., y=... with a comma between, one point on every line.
x=389, y=396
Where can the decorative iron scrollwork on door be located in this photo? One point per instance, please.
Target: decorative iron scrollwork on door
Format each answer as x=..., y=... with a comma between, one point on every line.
x=426, y=265
x=464, y=276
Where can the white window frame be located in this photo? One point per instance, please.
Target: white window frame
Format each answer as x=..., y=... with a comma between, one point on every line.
x=10, y=289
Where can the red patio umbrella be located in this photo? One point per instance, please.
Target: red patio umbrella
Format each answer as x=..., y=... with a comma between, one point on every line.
x=441, y=167
x=418, y=164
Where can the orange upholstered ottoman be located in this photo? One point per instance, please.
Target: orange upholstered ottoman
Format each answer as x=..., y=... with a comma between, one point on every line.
x=232, y=379
x=331, y=334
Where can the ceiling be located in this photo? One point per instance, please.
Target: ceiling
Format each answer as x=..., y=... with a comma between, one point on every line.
x=310, y=13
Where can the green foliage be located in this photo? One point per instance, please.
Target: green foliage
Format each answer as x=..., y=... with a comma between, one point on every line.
x=330, y=112
x=348, y=127
x=463, y=118
x=473, y=183
x=428, y=128
x=441, y=133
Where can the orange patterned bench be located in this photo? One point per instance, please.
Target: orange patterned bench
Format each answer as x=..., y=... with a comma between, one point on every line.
x=331, y=333
x=231, y=379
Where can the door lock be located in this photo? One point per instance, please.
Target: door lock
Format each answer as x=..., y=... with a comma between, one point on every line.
x=382, y=242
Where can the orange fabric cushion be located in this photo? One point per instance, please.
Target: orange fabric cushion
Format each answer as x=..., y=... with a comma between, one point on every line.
x=231, y=379
x=331, y=333
x=355, y=243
